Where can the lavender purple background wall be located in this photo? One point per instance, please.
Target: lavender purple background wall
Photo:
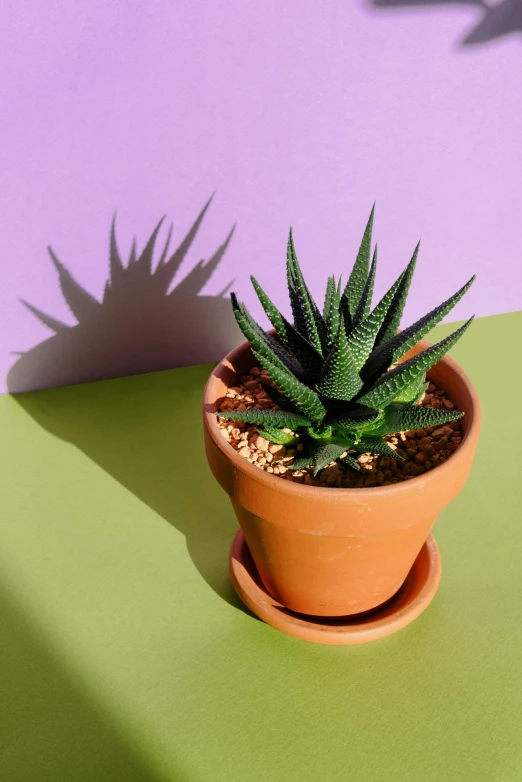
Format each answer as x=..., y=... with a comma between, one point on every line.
x=294, y=111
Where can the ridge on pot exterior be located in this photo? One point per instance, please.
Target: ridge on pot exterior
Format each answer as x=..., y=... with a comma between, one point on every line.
x=344, y=378
x=336, y=552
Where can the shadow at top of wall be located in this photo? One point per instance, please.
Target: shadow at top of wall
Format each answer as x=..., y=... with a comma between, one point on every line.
x=496, y=18
x=139, y=326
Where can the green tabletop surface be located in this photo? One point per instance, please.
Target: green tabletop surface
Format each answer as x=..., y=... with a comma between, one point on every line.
x=125, y=654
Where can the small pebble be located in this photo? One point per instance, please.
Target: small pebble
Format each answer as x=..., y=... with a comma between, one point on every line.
x=262, y=444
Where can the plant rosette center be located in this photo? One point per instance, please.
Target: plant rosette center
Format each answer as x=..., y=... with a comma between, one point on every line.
x=421, y=450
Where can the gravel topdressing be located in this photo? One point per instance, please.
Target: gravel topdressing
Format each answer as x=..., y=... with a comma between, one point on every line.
x=422, y=449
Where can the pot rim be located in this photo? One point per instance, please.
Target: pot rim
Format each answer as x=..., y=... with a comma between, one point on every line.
x=290, y=488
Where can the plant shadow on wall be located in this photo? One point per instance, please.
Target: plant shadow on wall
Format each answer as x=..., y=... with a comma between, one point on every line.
x=139, y=326
x=497, y=18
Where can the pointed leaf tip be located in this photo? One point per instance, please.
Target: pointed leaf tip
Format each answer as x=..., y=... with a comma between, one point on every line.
x=393, y=382
x=359, y=274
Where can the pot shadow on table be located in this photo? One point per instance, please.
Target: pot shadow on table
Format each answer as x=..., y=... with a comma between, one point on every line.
x=495, y=19
x=139, y=431
x=50, y=727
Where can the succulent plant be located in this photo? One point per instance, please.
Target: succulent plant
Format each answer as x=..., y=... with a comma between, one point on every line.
x=339, y=388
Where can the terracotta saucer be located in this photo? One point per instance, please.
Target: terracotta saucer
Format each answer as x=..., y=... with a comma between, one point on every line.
x=407, y=604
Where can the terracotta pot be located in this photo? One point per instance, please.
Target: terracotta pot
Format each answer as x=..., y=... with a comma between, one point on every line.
x=335, y=552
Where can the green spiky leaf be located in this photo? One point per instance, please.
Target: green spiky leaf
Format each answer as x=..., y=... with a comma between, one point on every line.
x=409, y=337
x=306, y=400
x=330, y=290
x=393, y=382
x=287, y=359
x=303, y=307
x=277, y=436
x=319, y=431
x=351, y=462
x=365, y=302
x=356, y=418
x=333, y=320
x=403, y=417
x=277, y=398
x=420, y=394
x=262, y=343
x=393, y=349
x=274, y=316
x=322, y=330
x=413, y=392
x=344, y=312
x=310, y=360
x=362, y=339
x=301, y=464
x=323, y=455
x=359, y=275
x=297, y=312
x=279, y=419
x=339, y=378
x=373, y=444
x=309, y=305
x=393, y=317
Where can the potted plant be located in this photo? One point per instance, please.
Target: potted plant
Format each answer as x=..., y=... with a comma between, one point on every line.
x=339, y=438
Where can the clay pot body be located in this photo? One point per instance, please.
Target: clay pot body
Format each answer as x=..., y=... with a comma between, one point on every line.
x=336, y=552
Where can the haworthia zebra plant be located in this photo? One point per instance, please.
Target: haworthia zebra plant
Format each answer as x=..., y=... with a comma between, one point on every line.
x=337, y=387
